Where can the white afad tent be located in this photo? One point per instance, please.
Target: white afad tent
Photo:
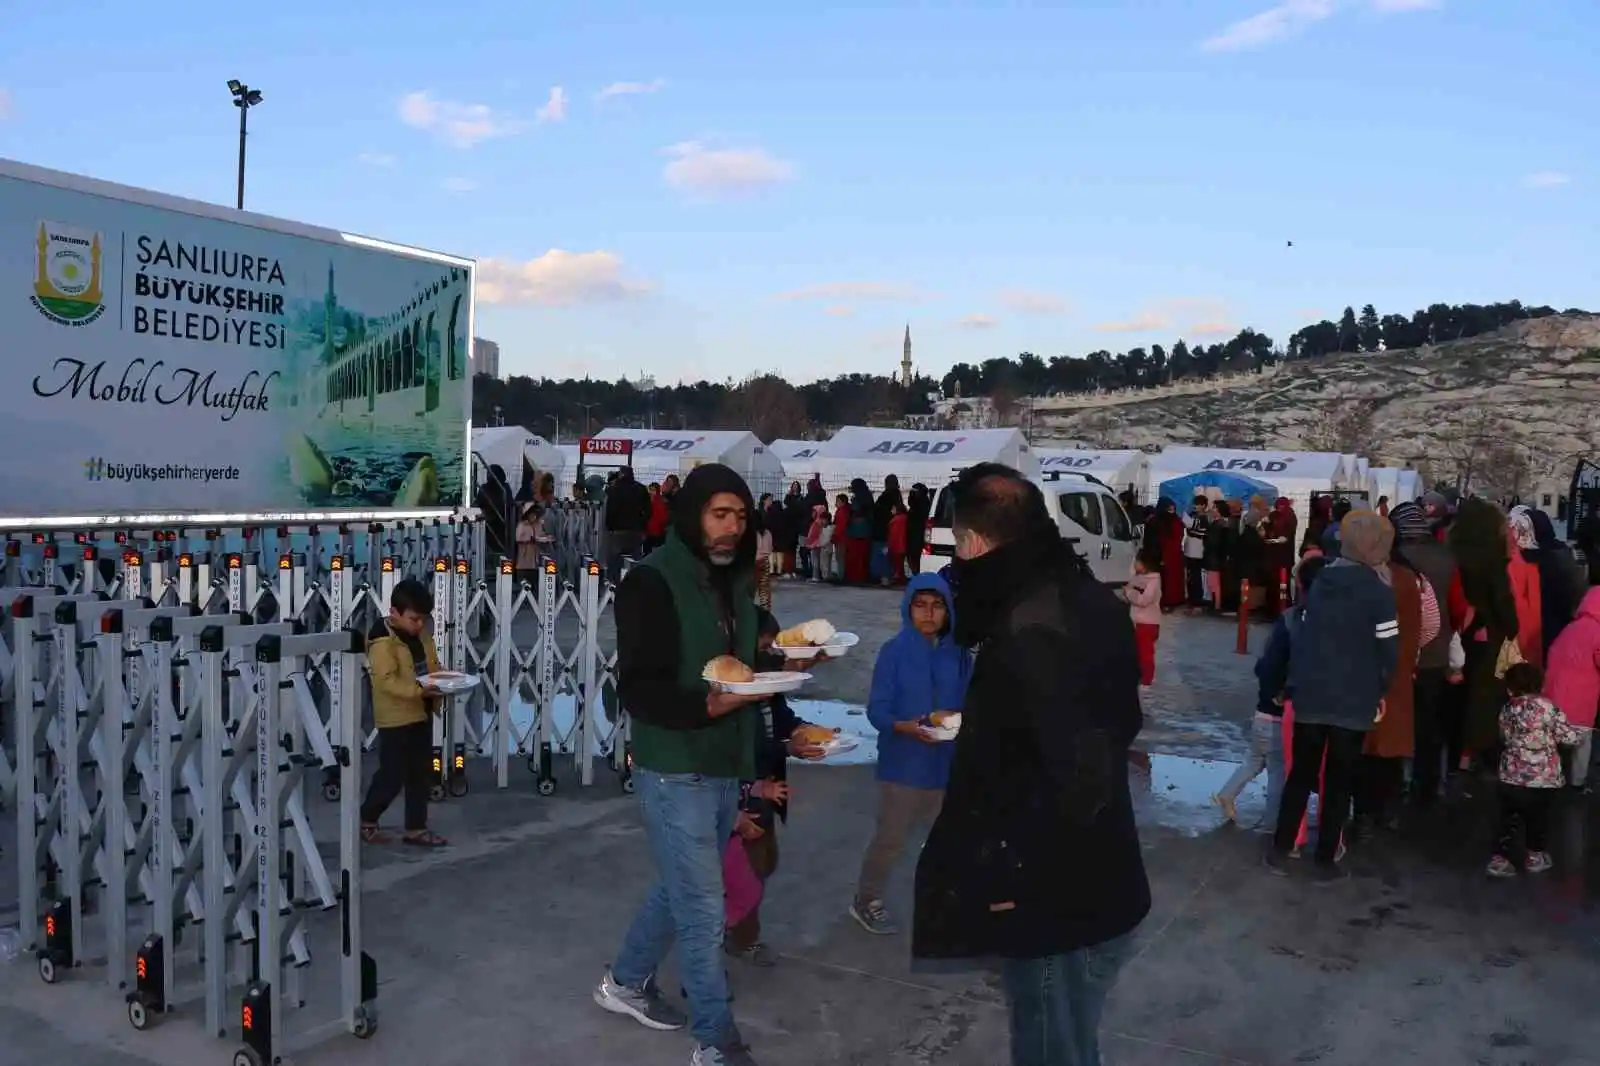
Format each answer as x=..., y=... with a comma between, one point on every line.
x=795, y=455
x=1181, y=472
x=1117, y=469
x=932, y=457
x=515, y=450
x=659, y=452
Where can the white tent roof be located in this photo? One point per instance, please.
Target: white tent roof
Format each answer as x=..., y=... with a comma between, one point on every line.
x=929, y=456
x=1384, y=481
x=508, y=447
x=1117, y=468
x=659, y=452
x=795, y=455
x=1296, y=474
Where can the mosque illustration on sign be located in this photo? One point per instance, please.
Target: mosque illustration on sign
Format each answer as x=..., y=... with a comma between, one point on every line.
x=390, y=370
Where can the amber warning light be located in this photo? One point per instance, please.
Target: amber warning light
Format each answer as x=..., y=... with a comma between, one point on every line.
x=594, y=569
x=285, y=562
x=186, y=559
x=336, y=564
x=247, y=1018
x=441, y=566
x=461, y=566
x=387, y=565
x=550, y=566
x=507, y=566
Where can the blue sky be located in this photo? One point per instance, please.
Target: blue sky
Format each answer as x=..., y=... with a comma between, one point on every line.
x=781, y=187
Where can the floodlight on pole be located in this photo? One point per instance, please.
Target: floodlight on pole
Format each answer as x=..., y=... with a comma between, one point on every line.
x=244, y=98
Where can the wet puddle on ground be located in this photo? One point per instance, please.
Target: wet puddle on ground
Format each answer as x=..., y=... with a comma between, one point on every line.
x=1175, y=791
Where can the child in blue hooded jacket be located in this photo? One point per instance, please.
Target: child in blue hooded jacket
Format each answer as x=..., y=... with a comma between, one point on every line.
x=921, y=670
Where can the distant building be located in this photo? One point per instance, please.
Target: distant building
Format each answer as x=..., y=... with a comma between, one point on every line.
x=485, y=357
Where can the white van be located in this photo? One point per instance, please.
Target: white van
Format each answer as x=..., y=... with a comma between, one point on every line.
x=1087, y=513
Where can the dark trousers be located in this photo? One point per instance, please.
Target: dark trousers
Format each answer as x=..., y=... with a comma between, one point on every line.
x=1341, y=748
x=1195, y=571
x=1379, y=782
x=1430, y=734
x=1524, y=813
x=405, y=764
x=763, y=853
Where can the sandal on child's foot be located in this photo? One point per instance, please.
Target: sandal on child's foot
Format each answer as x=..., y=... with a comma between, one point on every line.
x=371, y=834
x=1230, y=810
x=425, y=839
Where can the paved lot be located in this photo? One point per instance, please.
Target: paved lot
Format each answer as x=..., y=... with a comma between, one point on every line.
x=487, y=952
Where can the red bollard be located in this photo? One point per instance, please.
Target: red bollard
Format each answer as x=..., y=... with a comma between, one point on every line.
x=1243, y=645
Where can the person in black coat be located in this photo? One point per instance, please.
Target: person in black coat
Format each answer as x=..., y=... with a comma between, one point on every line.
x=1035, y=857
x=796, y=521
x=918, y=506
x=883, y=511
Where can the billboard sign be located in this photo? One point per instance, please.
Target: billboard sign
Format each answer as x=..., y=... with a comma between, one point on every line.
x=171, y=357
x=606, y=446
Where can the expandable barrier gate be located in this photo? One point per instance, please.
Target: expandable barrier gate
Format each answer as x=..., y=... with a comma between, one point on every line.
x=168, y=726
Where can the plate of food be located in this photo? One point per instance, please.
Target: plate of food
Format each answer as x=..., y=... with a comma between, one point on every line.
x=942, y=725
x=828, y=741
x=450, y=682
x=814, y=638
x=731, y=675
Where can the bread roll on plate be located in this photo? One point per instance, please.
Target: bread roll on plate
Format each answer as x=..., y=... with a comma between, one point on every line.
x=727, y=670
x=812, y=634
x=945, y=719
x=812, y=736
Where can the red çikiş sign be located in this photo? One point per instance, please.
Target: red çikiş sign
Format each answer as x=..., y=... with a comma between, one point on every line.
x=605, y=446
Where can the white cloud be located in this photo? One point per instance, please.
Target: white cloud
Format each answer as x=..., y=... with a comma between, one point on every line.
x=698, y=168
x=1273, y=24
x=1290, y=17
x=555, y=108
x=853, y=290
x=1143, y=322
x=839, y=311
x=458, y=185
x=1033, y=303
x=5, y=105
x=377, y=159
x=1217, y=328
x=1547, y=179
x=977, y=321
x=557, y=278
x=1203, y=315
x=630, y=88
x=457, y=124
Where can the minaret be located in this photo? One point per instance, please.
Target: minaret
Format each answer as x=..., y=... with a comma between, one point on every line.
x=905, y=359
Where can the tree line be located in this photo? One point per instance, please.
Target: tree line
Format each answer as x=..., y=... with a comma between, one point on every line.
x=773, y=408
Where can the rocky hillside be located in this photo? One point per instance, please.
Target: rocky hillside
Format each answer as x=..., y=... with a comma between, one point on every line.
x=1510, y=411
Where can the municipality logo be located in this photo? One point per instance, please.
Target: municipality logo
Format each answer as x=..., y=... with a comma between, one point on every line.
x=94, y=469
x=66, y=285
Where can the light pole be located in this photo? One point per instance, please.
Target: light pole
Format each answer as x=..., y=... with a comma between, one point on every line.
x=587, y=407
x=244, y=98
x=557, y=420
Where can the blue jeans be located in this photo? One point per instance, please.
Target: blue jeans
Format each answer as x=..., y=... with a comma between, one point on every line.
x=1266, y=753
x=688, y=819
x=1056, y=1003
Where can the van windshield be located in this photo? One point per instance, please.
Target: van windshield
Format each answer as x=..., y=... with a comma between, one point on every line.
x=944, y=508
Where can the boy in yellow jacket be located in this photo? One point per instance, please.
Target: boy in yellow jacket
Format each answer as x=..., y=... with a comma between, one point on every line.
x=401, y=654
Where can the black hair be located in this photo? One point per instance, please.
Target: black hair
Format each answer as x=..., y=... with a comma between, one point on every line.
x=999, y=504
x=1341, y=507
x=411, y=596
x=767, y=623
x=1223, y=509
x=1524, y=679
x=1200, y=498
x=1150, y=559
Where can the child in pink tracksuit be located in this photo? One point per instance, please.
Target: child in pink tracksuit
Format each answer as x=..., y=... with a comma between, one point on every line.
x=1143, y=593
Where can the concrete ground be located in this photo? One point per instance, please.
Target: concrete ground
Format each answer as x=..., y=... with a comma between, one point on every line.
x=487, y=952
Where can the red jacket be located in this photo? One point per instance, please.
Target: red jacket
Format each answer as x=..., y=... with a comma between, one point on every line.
x=656, y=525
x=897, y=535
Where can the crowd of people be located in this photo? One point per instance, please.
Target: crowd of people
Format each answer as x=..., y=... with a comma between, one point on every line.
x=856, y=538
x=1038, y=657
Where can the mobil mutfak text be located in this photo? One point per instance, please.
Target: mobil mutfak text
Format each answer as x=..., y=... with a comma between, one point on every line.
x=143, y=382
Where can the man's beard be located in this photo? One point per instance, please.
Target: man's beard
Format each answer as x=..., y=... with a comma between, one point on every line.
x=722, y=556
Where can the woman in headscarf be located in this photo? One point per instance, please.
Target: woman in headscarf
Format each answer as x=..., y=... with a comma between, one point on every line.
x=918, y=506
x=1321, y=518
x=1219, y=550
x=1380, y=778
x=1562, y=583
x=1164, y=535
x=796, y=523
x=1250, y=553
x=1280, y=531
x=883, y=512
x=816, y=495
x=1522, y=569
x=858, y=535
x=1484, y=612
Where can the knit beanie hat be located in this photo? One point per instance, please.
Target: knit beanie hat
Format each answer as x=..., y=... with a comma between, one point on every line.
x=1410, y=522
x=1366, y=537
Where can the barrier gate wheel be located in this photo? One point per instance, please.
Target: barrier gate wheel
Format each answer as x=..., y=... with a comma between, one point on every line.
x=458, y=786
x=47, y=969
x=138, y=1017
x=436, y=793
x=247, y=1057
x=364, y=1023
x=331, y=791
x=627, y=784
x=547, y=786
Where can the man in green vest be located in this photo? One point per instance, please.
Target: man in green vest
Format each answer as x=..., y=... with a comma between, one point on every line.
x=687, y=602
